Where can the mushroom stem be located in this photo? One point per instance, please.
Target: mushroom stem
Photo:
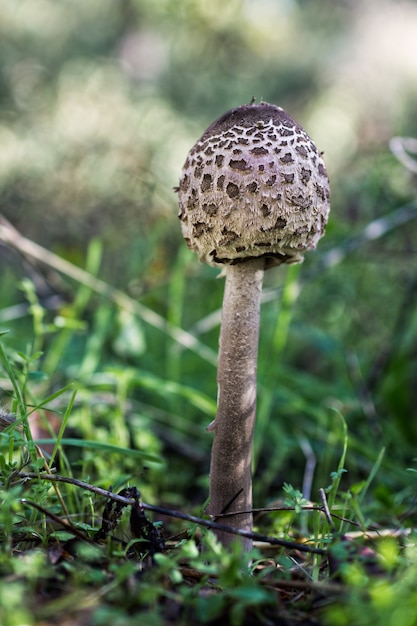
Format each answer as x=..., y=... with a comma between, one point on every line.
x=231, y=456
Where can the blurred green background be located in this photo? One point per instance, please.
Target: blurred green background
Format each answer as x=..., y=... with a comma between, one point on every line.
x=100, y=102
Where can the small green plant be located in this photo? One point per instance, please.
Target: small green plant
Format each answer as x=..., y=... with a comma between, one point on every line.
x=69, y=433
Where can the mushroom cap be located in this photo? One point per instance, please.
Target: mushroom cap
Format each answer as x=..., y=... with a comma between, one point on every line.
x=254, y=185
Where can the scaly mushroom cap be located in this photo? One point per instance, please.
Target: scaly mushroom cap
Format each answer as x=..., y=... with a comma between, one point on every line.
x=254, y=185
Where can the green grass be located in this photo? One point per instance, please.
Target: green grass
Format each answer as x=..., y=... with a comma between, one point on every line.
x=103, y=395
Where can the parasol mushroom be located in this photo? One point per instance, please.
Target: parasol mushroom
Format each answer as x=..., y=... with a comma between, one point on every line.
x=253, y=193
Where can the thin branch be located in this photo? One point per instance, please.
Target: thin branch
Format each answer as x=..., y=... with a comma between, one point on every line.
x=401, y=147
x=326, y=509
x=292, y=545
